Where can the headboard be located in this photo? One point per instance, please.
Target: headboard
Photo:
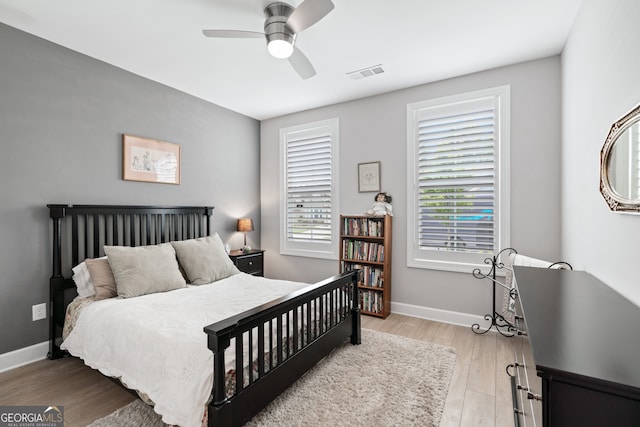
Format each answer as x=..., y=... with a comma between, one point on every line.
x=81, y=231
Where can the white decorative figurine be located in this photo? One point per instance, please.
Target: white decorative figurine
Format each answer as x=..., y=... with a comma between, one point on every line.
x=381, y=206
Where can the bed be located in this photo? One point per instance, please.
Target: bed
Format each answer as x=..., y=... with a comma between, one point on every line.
x=254, y=353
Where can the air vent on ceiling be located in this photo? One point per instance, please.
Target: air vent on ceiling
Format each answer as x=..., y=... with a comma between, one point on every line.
x=366, y=72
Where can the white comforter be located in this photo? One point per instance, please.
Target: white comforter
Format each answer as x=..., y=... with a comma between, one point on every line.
x=156, y=344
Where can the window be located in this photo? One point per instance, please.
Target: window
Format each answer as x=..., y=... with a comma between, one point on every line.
x=458, y=180
x=309, y=191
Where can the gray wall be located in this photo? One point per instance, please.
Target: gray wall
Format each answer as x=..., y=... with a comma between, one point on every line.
x=62, y=115
x=374, y=129
x=601, y=83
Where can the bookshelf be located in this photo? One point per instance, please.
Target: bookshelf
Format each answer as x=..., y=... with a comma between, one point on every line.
x=365, y=244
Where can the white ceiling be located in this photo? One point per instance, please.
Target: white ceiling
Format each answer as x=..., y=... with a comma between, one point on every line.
x=416, y=41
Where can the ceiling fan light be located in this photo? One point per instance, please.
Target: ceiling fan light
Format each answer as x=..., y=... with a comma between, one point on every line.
x=281, y=49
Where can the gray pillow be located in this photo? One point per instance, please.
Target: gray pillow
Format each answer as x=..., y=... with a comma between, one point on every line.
x=144, y=269
x=204, y=260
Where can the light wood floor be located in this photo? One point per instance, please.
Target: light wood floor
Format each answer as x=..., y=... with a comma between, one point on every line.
x=480, y=391
x=479, y=394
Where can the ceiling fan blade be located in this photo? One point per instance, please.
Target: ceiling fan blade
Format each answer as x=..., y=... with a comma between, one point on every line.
x=301, y=64
x=233, y=34
x=308, y=13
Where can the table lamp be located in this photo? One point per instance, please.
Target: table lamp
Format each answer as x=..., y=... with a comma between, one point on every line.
x=244, y=225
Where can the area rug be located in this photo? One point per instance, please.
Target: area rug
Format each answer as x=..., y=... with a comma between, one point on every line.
x=388, y=380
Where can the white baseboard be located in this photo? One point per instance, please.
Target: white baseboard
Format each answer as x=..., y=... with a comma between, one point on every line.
x=23, y=356
x=445, y=316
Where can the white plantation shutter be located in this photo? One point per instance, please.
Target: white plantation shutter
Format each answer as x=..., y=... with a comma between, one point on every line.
x=309, y=210
x=458, y=179
x=309, y=192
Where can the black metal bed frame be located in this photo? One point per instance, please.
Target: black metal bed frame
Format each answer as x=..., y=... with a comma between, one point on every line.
x=331, y=306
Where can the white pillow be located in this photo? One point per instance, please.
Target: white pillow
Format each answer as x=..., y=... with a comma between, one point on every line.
x=82, y=279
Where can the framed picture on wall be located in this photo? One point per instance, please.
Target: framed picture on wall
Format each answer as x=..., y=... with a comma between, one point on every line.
x=150, y=160
x=369, y=177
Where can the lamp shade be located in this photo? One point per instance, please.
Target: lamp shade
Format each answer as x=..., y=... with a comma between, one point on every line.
x=245, y=224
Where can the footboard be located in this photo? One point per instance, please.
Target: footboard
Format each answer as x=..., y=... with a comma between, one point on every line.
x=281, y=341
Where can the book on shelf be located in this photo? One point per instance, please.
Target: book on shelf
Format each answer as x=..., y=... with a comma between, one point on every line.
x=366, y=227
x=371, y=301
x=369, y=276
x=363, y=251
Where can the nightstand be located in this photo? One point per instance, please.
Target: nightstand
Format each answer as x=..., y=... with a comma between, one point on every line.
x=251, y=262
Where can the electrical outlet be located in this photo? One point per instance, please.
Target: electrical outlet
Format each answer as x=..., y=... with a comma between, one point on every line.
x=39, y=311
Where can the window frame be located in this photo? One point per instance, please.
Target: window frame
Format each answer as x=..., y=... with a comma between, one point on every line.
x=318, y=249
x=461, y=261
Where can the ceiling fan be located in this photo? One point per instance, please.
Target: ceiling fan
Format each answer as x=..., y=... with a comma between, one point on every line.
x=282, y=24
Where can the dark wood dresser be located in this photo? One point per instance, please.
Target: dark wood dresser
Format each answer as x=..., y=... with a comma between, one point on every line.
x=583, y=339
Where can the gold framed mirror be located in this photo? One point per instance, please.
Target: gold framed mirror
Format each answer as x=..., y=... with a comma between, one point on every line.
x=620, y=164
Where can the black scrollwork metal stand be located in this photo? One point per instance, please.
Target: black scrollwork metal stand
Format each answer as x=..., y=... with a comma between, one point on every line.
x=496, y=319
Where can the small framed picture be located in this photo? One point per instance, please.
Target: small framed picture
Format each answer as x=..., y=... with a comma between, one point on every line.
x=369, y=177
x=149, y=160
